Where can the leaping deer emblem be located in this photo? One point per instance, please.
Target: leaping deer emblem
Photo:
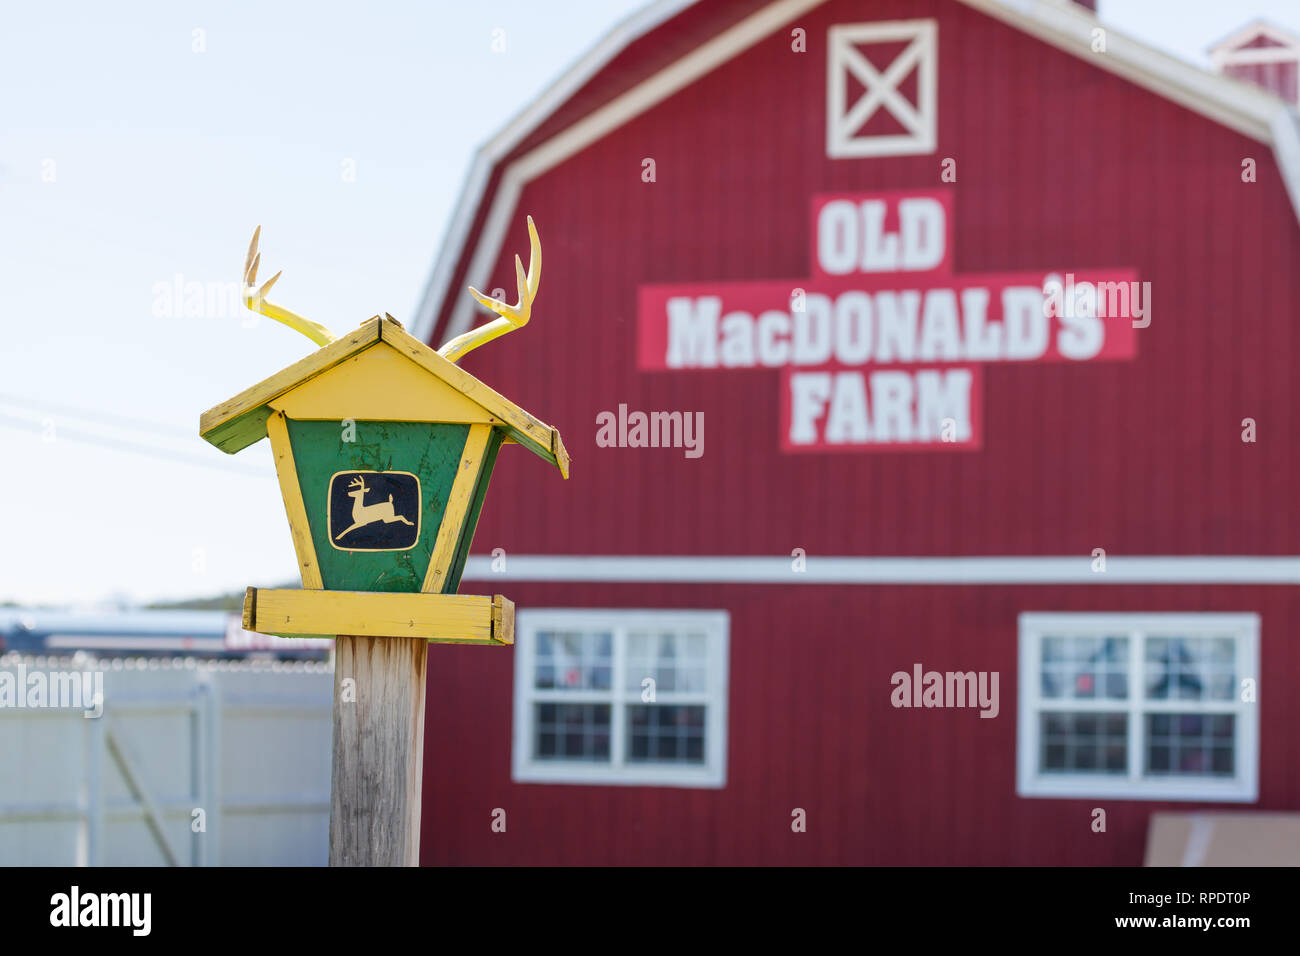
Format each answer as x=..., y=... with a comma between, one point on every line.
x=364, y=514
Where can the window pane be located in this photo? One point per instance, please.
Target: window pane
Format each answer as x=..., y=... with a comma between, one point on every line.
x=571, y=732
x=639, y=665
x=691, y=679
x=666, y=663
x=1195, y=745
x=665, y=734
x=1085, y=668
x=573, y=660
x=675, y=662
x=1190, y=668
x=1083, y=743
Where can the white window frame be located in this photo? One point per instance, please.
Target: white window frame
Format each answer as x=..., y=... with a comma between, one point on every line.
x=921, y=121
x=1242, y=787
x=716, y=626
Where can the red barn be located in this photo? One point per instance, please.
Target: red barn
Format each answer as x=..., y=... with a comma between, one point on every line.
x=925, y=366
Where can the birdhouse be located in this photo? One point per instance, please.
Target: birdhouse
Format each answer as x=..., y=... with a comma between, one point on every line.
x=383, y=448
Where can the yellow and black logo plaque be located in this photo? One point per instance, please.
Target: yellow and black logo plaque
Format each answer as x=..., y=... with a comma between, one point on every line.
x=374, y=510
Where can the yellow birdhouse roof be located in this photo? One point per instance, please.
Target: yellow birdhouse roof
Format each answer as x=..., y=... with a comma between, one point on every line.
x=378, y=372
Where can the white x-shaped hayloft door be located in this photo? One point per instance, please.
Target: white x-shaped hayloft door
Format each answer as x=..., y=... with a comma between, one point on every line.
x=881, y=90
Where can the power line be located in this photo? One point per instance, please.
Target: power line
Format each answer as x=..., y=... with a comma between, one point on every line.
x=95, y=415
x=123, y=445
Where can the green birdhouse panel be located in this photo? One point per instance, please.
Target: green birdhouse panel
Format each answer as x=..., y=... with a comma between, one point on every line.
x=375, y=495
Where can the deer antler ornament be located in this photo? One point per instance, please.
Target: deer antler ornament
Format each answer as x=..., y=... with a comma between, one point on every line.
x=512, y=316
x=255, y=299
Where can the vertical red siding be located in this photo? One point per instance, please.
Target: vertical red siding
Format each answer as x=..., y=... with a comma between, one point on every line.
x=811, y=725
x=1060, y=165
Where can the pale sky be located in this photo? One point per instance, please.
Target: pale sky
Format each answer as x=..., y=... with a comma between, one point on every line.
x=131, y=159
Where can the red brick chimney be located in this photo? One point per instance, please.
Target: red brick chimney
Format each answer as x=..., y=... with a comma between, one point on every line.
x=1262, y=54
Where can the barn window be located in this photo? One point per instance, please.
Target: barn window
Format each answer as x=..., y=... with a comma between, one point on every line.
x=1143, y=707
x=621, y=697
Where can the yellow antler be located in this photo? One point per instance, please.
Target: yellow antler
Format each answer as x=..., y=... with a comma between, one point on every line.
x=255, y=299
x=512, y=316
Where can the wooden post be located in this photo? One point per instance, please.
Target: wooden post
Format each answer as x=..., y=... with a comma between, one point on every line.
x=378, y=751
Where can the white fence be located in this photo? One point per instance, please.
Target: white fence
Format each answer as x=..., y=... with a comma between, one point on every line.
x=191, y=764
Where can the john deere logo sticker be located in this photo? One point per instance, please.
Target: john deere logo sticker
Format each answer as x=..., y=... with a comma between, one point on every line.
x=374, y=510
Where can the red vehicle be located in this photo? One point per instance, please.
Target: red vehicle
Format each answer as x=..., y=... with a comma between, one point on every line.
x=925, y=367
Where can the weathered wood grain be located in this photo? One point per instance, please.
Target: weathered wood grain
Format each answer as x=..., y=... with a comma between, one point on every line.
x=250, y=608
x=503, y=619
x=378, y=751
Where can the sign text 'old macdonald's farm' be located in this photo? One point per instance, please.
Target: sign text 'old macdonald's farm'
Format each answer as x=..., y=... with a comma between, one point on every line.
x=882, y=348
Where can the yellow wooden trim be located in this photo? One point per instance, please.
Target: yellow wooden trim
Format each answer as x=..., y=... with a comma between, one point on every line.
x=253, y=398
x=560, y=452
x=536, y=435
x=250, y=602
x=285, y=470
x=458, y=504
x=438, y=618
x=239, y=422
x=380, y=384
x=503, y=619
